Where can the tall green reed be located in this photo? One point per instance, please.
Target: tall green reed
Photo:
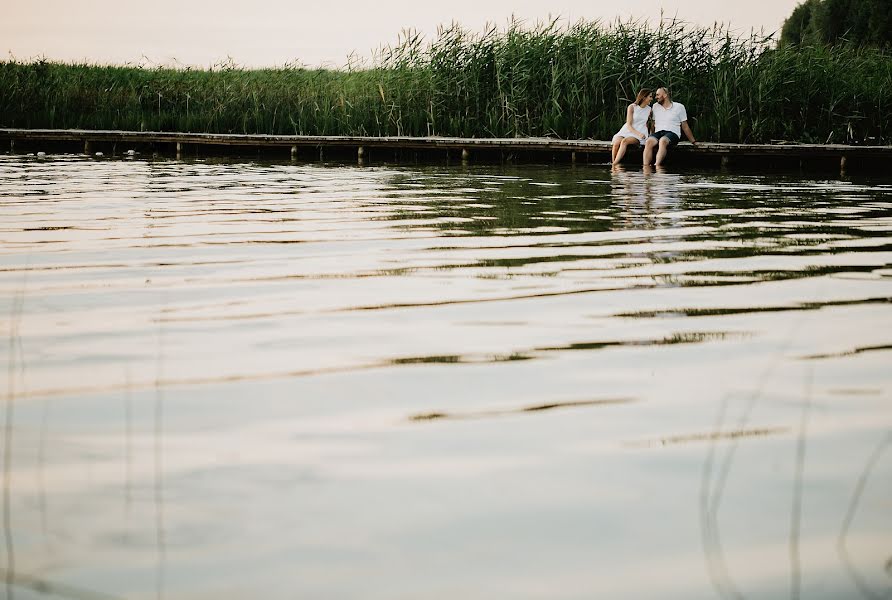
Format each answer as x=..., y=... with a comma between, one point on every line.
x=546, y=80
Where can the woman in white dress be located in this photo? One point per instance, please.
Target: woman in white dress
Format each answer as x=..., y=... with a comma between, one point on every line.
x=635, y=129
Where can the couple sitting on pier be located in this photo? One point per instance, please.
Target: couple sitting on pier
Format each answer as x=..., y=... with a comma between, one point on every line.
x=664, y=121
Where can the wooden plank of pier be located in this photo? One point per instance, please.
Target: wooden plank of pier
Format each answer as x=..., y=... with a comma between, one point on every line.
x=791, y=150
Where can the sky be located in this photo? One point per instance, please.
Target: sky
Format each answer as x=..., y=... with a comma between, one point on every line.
x=204, y=33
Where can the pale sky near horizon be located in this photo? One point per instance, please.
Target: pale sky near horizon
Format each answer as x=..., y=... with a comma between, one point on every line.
x=275, y=32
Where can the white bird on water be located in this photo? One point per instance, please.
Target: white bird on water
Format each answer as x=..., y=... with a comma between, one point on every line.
x=99, y=155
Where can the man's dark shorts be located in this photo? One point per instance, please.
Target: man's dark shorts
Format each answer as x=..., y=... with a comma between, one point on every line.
x=670, y=135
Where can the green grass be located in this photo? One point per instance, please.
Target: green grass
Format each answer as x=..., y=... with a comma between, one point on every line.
x=568, y=82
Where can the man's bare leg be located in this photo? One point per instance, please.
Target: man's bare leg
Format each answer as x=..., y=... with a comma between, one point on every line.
x=661, y=153
x=649, y=150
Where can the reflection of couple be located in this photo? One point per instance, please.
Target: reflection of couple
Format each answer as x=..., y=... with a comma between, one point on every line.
x=664, y=121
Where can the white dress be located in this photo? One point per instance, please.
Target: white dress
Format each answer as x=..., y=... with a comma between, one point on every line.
x=639, y=121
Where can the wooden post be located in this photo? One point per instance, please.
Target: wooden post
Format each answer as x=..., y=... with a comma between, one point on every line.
x=573, y=157
x=465, y=155
x=294, y=152
x=86, y=146
x=11, y=146
x=843, y=162
x=360, y=154
x=321, y=155
x=179, y=150
x=726, y=161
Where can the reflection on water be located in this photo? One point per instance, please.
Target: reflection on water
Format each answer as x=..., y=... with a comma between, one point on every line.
x=525, y=409
x=237, y=379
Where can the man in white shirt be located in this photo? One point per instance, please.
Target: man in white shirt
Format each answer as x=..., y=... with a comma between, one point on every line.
x=670, y=119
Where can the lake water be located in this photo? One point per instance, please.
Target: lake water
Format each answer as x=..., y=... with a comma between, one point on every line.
x=244, y=380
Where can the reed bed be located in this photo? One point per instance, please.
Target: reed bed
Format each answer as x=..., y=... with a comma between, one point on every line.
x=548, y=80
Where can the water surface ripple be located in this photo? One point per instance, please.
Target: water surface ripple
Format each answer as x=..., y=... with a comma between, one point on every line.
x=240, y=379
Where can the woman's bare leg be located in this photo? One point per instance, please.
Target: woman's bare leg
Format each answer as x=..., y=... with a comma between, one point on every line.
x=622, y=149
x=614, y=149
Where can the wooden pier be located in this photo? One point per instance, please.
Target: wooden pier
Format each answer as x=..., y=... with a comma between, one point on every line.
x=384, y=149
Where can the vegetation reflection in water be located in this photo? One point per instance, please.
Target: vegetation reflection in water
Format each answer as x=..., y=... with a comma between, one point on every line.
x=232, y=378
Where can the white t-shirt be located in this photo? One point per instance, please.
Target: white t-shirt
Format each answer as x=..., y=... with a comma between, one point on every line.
x=669, y=119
